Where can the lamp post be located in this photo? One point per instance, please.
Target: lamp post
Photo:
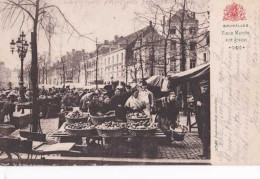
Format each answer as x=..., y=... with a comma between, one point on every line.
x=22, y=48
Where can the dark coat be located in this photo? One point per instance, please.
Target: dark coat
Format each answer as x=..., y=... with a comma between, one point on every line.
x=105, y=108
x=203, y=115
x=94, y=108
x=167, y=113
x=118, y=103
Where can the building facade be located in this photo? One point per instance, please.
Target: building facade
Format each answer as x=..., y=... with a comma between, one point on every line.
x=5, y=75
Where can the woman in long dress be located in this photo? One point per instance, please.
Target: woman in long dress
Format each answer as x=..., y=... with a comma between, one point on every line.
x=134, y=104
x=168, y=112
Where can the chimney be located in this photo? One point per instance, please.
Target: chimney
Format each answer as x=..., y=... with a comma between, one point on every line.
x=151, y=23
x=106, y=42
x=116, y=37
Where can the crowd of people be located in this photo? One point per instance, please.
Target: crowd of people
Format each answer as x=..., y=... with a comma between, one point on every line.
x=121, y=99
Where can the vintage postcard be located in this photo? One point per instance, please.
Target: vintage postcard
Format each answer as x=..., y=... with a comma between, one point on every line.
x=129, y=82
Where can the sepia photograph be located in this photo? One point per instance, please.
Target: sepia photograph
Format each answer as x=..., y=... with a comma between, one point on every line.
x=105, y=82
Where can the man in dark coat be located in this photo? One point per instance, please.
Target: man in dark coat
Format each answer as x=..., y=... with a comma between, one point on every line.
x=118, y=103
x=203, y=106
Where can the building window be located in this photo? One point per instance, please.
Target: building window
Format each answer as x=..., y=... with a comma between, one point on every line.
x=117, y=58
x=173, y=31
x=174, y=66
x=204, y=57
x=122, y=57
x=112, y=59
x=192, y=45
x=173, y=45
x=105, y=61
x=192, y=63
x=108, y=60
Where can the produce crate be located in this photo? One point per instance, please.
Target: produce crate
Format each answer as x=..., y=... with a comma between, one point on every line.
x=97, y=120
x=133, y=120
x=76, y=120
x=142, y=132
x=81, y=132
x=110, y=132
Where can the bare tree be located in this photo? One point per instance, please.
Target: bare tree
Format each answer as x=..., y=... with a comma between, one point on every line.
x=38, y=13
x=177, y=42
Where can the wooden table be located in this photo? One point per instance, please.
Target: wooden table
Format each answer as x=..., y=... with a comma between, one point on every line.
x=15, y=146
x=144, y=145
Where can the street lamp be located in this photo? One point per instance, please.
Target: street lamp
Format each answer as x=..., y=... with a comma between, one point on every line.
x=22, y=48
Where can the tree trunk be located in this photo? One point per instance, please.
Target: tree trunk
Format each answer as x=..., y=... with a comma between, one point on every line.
x=85, y=69
x=34, y=70
x=183, y=58
x=165, y=57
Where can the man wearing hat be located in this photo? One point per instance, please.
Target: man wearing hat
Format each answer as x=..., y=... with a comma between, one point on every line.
x=203, y=106
x=148, y=97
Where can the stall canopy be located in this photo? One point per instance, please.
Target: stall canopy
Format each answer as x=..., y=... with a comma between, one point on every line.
x=155, y=80
x=191, y=74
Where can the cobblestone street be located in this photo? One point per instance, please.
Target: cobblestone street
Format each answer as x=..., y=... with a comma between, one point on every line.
x=190, y=148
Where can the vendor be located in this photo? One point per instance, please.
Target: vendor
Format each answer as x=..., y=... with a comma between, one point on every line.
x=118, y=103
x=106, y=106
x=66, y=101
x=168, y=112
x=148, y=97
x=85, y=100
x=94, y=106
x=134, y=104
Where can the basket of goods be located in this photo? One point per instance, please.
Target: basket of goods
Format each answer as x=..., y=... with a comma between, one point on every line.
x=137, y=117
x=80, y=129
x=178, y=132
x=76, y=116
x=6, y=129
x=100, y=118
x=110, y=129
x=142, y=128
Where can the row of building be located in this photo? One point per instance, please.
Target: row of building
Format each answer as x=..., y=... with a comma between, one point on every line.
x=8, y=77
x=137, y=56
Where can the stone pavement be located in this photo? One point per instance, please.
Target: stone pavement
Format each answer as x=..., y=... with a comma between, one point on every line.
x=190, y=148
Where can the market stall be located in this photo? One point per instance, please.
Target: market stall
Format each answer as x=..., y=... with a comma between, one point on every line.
x=192, y=77
x=80, y=128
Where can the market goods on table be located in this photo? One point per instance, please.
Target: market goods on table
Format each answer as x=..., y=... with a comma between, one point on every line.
x=137, y=117
x=100, y=118
x=80, y=129
x=76, y=116
x=142, y=128
x=110, y=129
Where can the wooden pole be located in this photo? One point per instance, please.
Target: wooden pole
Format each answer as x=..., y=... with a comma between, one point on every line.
x=97, y=65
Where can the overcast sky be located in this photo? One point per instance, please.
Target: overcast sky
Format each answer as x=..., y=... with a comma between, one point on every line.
x=98, y=18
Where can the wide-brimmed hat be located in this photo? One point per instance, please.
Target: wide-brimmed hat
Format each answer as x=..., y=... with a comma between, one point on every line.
x=204, y=83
